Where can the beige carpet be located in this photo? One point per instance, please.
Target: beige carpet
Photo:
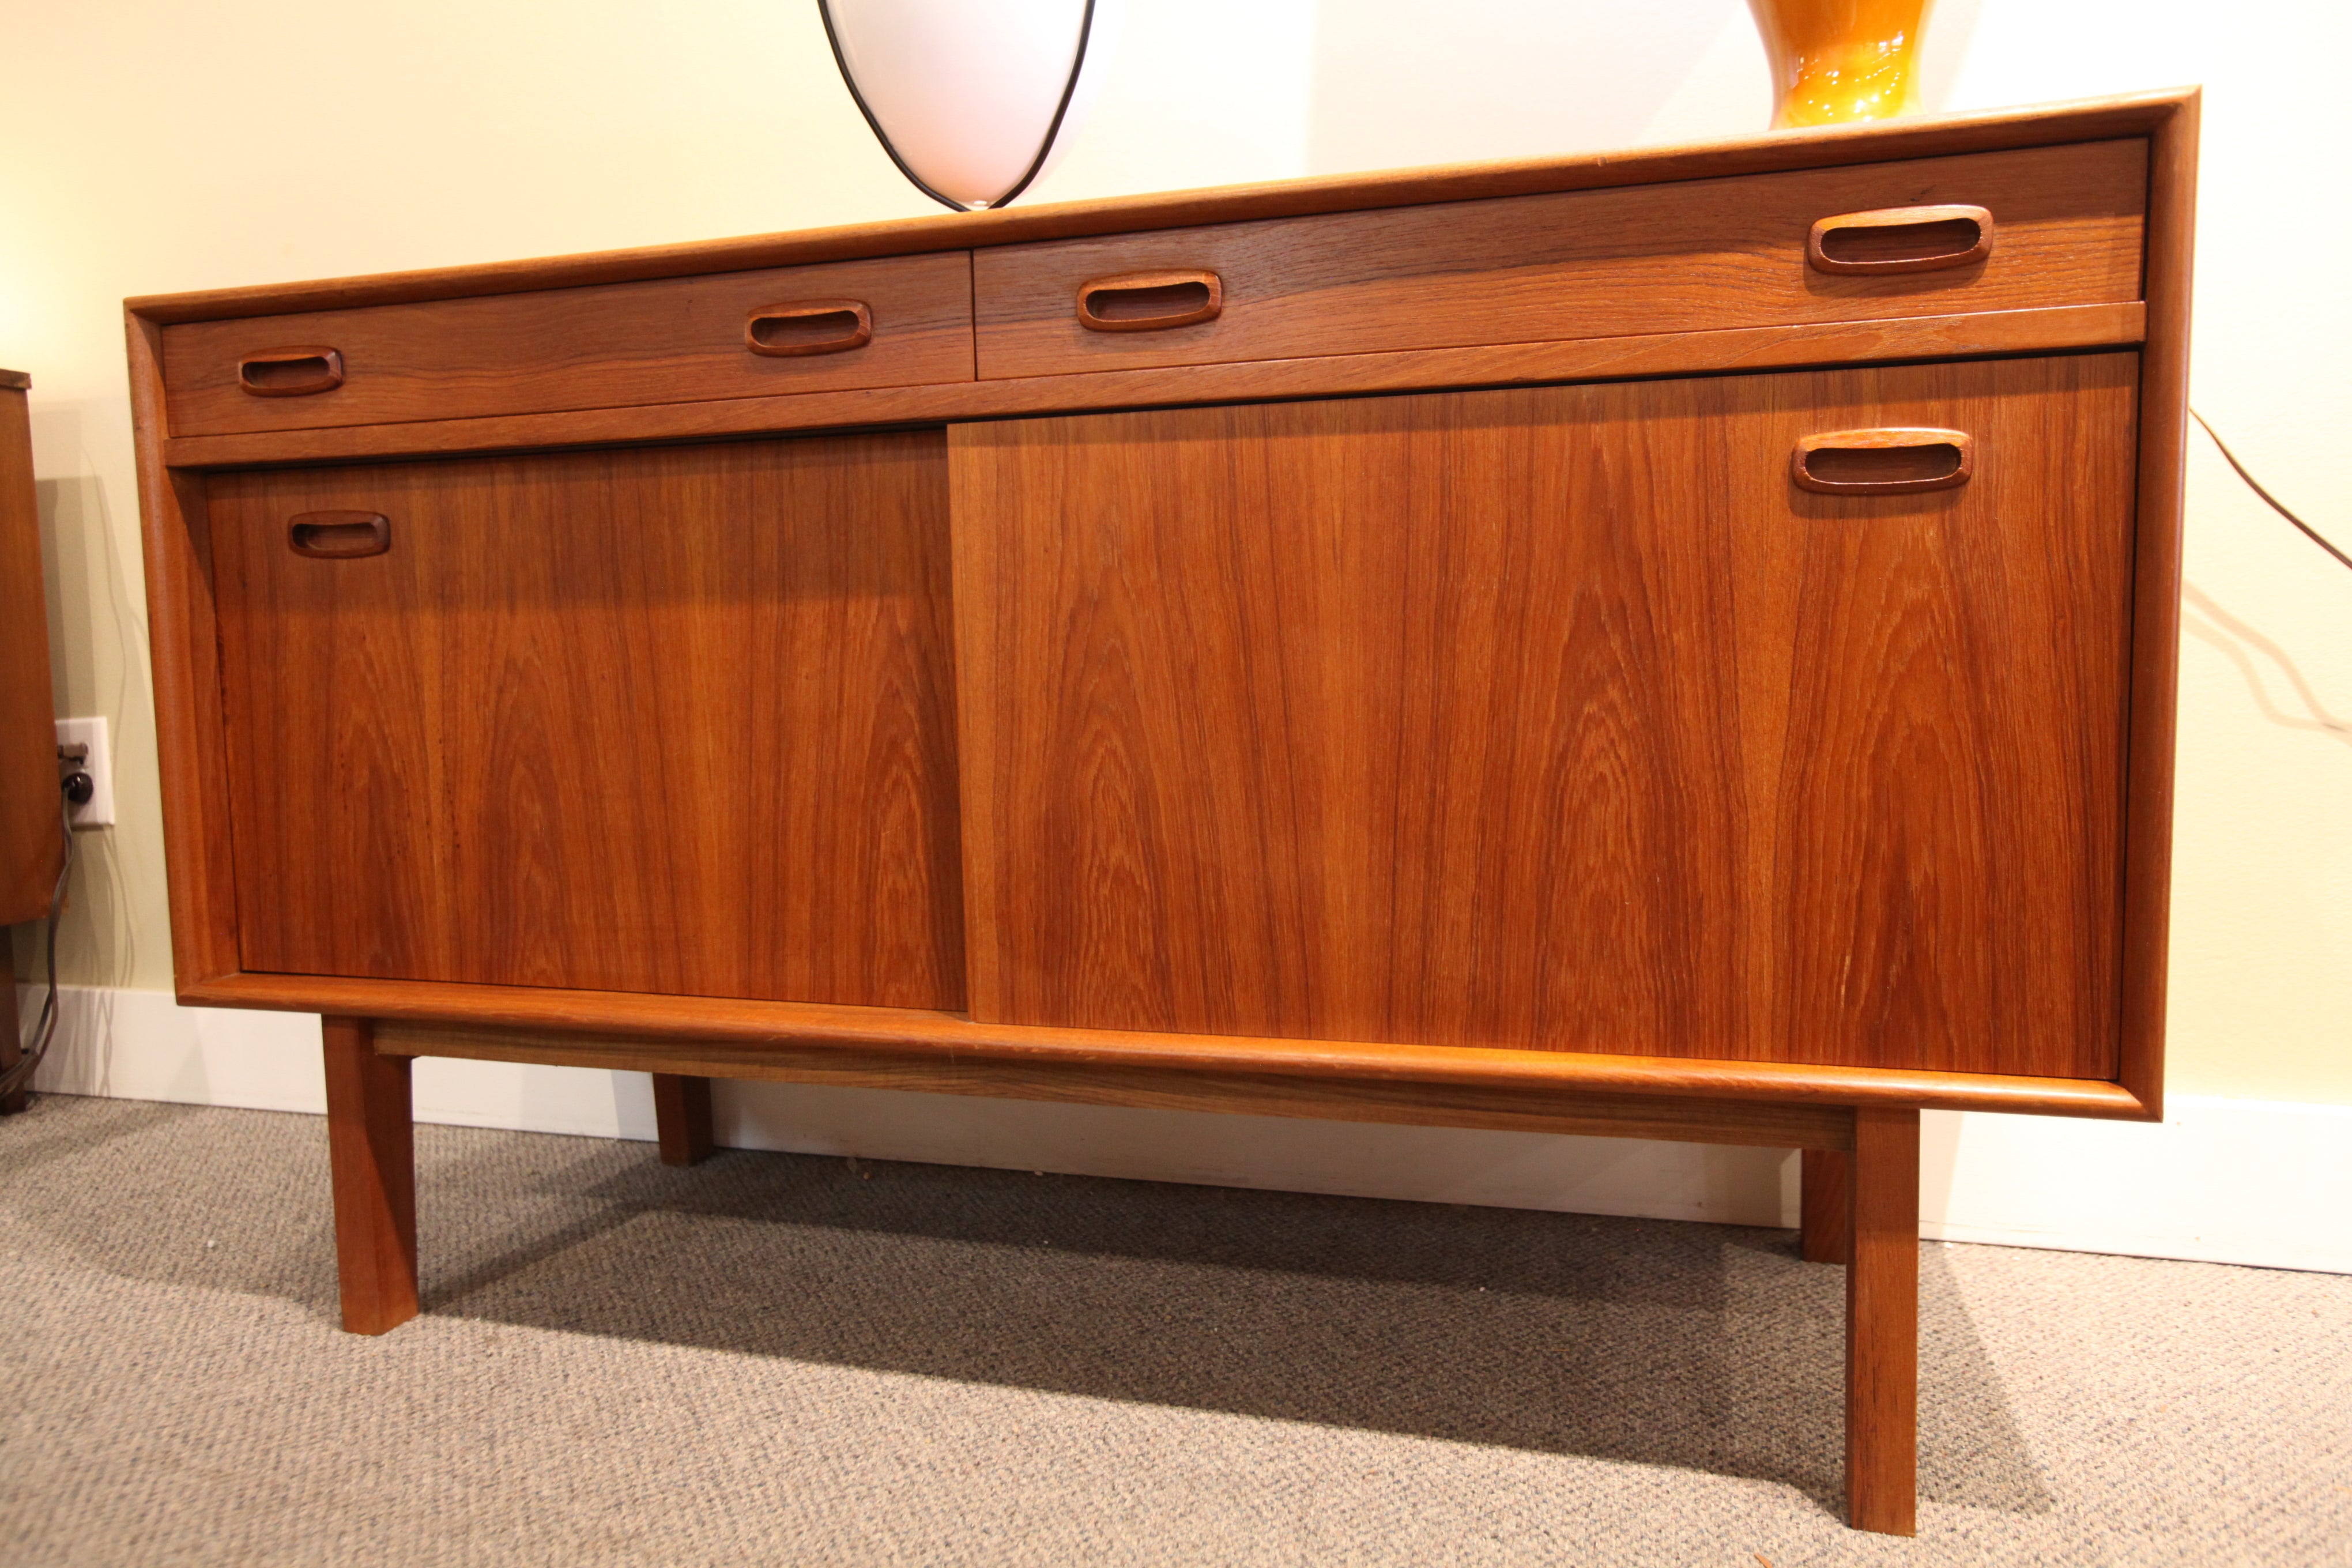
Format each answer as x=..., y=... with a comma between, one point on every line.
x=783, y=1359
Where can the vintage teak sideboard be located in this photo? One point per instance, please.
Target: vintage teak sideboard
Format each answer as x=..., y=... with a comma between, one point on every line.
x=1676, y=645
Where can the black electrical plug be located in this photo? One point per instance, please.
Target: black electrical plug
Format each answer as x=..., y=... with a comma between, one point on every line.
x=72, y=777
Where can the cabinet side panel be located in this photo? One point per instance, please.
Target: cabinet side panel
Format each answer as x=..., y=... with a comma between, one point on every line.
x=671, y=721
x=184, y=634
x=29, y=847
x=2156, y=620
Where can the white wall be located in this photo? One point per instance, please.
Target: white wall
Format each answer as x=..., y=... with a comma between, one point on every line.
x=2228, y=1181
x=162, y=146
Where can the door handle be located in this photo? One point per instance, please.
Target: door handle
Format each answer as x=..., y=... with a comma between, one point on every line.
x=809, y=327
x=337, y=536
x=1900, y=239
x=1887, y=462
x=290, y=373
x=1150, y=302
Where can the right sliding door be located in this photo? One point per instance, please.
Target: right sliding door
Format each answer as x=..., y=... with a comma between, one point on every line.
x=1765, y=717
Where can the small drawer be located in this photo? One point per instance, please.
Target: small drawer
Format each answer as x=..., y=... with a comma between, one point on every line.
x=900, y=322
x=1991, y=231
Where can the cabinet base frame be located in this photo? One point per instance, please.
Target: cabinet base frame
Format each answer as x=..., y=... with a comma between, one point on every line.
x=707, y=1036
x=1870, y=1154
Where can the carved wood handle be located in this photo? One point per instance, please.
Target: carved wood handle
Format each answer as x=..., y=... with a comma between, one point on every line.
x=809, y=327
x=1900, y=239
x=1889, y=462
x=337, y=536
x=1150, y=302
x=290, y=373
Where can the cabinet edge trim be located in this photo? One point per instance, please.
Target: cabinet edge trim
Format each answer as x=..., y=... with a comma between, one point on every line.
x=912, y=1032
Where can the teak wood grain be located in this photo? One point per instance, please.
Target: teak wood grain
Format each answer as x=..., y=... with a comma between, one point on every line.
x=1556, y=719
x=371, y=1152
x=1882, y=1322
x=670, y=719
x=1707, y=254
x=31, y=843
x=676, y=341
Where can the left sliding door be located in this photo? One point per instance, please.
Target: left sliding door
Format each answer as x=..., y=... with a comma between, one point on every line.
x=671, y=719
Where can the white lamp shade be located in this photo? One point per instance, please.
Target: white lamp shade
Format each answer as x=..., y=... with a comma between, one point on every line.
x=972, y=97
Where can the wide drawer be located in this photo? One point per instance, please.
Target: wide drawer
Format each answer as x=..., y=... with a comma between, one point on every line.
x=2063, y=226
x=899, y=321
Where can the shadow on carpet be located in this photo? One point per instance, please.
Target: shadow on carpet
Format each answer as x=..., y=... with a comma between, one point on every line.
x=1709, y=1347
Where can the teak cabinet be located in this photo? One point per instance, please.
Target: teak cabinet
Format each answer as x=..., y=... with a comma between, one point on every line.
x=1677, y=644
x=31, y=847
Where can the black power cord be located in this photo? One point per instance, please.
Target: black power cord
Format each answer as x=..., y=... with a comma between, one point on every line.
x=73, y=790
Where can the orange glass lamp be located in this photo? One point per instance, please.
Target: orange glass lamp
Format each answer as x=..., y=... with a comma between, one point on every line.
x=1840, y=59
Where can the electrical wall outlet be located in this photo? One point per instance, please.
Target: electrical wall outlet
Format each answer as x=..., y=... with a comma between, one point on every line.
x=98, y=811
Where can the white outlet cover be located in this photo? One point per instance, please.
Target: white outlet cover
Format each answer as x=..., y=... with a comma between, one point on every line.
x=99, y=810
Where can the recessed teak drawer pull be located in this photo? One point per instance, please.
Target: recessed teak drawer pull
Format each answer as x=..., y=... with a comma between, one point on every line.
x=809, y=327
x=339, y=535
x=1901, y=239
x=290, y=373
x=1149, y=302
x=1890, y=462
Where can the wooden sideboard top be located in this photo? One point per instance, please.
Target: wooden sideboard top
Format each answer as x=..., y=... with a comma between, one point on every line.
x=2134, y=114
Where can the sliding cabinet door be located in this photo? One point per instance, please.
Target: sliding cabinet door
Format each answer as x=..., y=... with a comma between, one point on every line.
x=1559, y=718
x=668, y=720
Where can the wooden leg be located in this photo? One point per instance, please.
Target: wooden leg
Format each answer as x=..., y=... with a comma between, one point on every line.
x=682, y=1118
x=1827, y=1222
x=11, y=1052
x=1882, y=1324
x=371, y=1145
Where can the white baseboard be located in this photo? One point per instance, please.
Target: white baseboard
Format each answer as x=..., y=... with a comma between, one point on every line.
x=2224, y=1180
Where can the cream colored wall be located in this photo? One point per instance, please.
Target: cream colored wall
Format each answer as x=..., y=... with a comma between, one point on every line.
x=165, y=146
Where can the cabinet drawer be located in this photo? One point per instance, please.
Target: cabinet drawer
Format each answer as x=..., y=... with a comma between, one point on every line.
x=899, y=321
x=2065, y=230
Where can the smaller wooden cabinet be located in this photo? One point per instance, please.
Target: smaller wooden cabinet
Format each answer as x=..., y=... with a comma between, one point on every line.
x=31, y=843
x=1670, y=645
x=31, y=838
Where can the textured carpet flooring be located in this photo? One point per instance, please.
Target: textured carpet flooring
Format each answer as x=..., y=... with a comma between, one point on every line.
x=788, y=1359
